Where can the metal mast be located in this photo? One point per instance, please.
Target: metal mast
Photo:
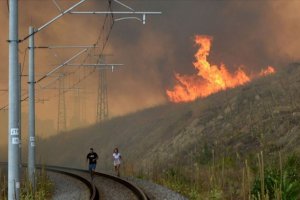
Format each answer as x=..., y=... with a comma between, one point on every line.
x=76, y=118
x=102, y=100
x=13, y=128
x=83, y=102
x=102, y=97
x=31, y=111
x=61, y=118
x=20, y=119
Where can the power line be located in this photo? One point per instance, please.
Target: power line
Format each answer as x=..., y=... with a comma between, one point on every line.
x=100, y=36
x=23, y=63
x=61, y=118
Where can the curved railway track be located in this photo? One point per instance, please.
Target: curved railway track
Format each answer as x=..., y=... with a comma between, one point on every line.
x=138, y=193
x=94, y=193
x=135, y=189
x=82, y=175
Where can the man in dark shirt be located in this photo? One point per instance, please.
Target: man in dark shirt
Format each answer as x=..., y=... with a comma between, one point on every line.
x=92, y=157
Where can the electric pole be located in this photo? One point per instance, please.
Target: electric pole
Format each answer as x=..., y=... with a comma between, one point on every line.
x=61, y=118
x=20, y=119
x=31, y=111
x=14, y=119
x=76, y=120
x=102, y=99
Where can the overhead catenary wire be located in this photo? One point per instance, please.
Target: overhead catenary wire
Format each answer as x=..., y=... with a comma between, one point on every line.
x=22, y=69
x=56, y=55
x=49, y=73
x=98, y=41
x=102, y=31
x=52, y=20
x=100, y=36
x=23, y=63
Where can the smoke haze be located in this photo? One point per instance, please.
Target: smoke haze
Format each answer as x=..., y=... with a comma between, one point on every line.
x=251, y=34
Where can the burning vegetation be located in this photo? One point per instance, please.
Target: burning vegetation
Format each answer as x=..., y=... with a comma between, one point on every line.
x=210, y=78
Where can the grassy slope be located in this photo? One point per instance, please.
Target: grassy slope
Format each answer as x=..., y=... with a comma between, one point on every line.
x=263, y=115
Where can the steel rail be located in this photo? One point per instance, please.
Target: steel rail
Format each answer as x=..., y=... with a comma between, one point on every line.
x=94, y=193
x=134, y=188
x=138, y=192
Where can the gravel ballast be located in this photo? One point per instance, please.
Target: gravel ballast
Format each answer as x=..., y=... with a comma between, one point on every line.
x=111, y=190
x=68, y=188
x=108, y=189
x=155, y=191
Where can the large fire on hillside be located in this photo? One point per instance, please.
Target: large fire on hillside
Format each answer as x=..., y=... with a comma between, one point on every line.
x=210, y=78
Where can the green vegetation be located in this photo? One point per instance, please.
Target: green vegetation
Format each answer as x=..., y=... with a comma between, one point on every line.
x=229, y=178
x=44, y=188
x=279, y=183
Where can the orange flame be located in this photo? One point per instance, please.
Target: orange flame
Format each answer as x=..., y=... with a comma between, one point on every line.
x=268, y=71
x=209, y=79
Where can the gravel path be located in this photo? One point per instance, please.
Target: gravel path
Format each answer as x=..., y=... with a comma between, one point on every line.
x=156, y=192
x=68, y=188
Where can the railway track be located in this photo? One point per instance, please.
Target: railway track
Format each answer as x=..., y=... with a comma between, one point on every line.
x=94, y=192
x=135, y=190
x=95, y=185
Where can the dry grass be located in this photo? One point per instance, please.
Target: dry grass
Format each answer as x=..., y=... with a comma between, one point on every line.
x=43, y=191
x=220, y=179
x=208, y=148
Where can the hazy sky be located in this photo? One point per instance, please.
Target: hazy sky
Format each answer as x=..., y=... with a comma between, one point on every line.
x=251, y=34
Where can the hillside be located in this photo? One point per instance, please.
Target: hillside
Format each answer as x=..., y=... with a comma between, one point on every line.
x=263, y=115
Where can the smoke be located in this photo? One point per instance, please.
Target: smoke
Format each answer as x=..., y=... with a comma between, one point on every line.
x=284, y=43
x=247, y=34
x=252, y=34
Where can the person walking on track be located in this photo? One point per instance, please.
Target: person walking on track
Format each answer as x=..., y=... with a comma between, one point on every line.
x=92, y=158
x=117, y=161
